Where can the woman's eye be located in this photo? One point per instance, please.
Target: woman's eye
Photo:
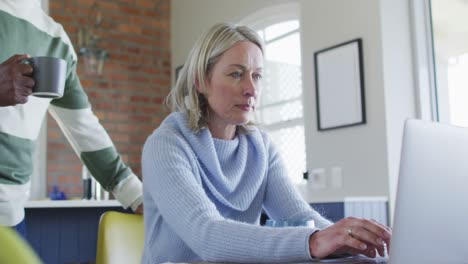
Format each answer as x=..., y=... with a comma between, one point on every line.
x=257, y=76
x=236, y=75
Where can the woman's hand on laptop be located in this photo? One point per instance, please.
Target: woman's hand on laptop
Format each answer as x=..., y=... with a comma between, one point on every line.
x=351, y=235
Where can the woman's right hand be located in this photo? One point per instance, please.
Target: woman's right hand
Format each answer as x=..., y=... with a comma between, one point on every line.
x=350, y=235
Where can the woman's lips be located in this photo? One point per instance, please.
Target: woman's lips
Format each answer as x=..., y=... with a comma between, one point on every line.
x=249, y=106
x=246, y=107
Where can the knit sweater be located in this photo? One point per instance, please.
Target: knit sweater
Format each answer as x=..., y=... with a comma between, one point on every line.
x=25, y=28
x=204, y=197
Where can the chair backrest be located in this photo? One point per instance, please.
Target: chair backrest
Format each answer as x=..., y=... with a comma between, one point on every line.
x=120, y=238
x=14, y=249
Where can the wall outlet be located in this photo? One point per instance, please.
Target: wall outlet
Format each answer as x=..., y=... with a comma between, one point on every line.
x=336, y=178
x=317, y=179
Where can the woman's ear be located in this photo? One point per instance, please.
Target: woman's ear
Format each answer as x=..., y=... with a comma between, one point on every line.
x=202, y=89
x=197, y=85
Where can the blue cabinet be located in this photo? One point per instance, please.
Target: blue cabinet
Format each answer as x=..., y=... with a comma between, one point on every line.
x=66, y=234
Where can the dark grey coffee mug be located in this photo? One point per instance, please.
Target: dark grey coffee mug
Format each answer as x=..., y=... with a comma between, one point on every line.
x=49, y=76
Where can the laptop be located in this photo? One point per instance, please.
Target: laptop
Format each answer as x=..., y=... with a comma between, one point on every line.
x=431, y=213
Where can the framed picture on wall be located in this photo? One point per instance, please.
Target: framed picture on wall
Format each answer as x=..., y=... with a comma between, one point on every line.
x=339, y=86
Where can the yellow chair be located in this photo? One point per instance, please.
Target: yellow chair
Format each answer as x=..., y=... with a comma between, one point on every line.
x=120, y=238
x=14, y=249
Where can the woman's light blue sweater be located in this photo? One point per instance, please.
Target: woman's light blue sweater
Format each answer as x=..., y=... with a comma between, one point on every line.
x=203, y=198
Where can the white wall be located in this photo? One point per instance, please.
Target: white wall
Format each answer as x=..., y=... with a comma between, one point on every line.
x=39, y=173
x=398, y=81
x=368, y=154
x=360, y=150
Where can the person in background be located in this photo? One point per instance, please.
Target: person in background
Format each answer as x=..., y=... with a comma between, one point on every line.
x=26, y=29
x=208, y=171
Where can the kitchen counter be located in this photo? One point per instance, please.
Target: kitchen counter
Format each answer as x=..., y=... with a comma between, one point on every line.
x=71, y=203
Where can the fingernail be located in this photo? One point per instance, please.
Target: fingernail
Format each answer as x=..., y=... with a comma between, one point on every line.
x=363, y=246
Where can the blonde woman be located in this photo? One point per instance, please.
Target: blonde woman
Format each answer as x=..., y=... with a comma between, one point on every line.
x=208, y=171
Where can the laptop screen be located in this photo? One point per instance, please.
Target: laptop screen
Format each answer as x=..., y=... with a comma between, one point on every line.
x=431, y=212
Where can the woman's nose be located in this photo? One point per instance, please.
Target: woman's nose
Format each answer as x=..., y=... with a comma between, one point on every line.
x=250, y=87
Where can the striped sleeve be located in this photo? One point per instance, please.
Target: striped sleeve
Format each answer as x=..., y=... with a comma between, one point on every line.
x=94, y=146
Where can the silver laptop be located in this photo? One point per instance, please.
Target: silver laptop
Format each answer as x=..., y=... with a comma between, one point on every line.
x=431, y=213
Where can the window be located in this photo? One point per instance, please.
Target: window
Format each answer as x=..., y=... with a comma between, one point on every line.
x=280, y=110
x=450, y=38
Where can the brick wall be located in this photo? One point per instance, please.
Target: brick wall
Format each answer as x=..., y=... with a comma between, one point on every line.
x=128, y=96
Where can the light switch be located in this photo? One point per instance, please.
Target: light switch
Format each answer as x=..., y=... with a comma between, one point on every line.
x=317, y=178
x=336, y=177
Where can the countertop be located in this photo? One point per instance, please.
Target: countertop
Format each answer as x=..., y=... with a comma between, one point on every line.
x=71, y=203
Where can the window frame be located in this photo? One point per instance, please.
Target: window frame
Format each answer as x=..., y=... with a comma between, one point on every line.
x=427, y=104
x=270, y=16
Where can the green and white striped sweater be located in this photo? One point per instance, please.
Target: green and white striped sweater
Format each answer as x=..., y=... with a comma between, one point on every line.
x=26, y=29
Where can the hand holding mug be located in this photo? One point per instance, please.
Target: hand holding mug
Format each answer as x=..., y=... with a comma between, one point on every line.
x=15, y=84
x=49, y=76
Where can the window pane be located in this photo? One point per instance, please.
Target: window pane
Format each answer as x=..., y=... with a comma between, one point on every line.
x=282, y=82
x=291, y=145
x=286, y=50
x=457, y=77
x=279, y=29
x=280, y=113
x=450, y=31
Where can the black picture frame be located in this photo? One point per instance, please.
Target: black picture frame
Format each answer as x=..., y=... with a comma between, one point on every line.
x=339, y=86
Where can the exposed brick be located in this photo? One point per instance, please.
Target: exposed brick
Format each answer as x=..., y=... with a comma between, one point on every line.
x=128, y=97
x=74, y=191
x=131, y=10
x=146, y=3
x=126, y=28
x=108, y=6
x=68, y=179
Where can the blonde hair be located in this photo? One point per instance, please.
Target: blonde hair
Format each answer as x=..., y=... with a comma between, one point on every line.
x=205, y=53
